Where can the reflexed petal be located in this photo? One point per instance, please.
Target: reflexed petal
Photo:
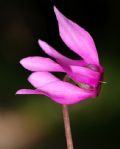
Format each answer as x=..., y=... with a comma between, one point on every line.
x=76, y=38
x=55, y=54
x=37, y=63
x=60, y=91
x=28, y=91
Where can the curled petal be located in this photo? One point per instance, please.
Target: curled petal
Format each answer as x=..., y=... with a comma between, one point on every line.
x=59, y=91
x=76, y=38
x=28, y=91
x=36, y=63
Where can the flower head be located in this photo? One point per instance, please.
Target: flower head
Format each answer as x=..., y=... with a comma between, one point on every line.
x=87, y=74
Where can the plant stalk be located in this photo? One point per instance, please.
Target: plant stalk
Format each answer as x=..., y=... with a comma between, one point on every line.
x=67, y=127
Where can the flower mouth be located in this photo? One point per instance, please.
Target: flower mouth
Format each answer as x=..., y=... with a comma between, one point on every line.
x=79, y=84
x=93, y=67
x=87, y=86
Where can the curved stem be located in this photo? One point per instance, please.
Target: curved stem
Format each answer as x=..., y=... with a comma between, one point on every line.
x=67, y=127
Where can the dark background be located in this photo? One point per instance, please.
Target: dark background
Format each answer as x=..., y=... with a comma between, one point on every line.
x=96, y=122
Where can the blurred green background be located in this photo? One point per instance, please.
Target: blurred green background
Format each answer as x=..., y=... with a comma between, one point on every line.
x=35, y=122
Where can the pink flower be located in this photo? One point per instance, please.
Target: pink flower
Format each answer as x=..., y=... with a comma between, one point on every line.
x=86, y=74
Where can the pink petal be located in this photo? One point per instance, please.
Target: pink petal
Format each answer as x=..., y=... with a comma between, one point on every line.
x=59, y=91
x=39, y=79
x=36, y=63
x=77, y=39
x=82, y=74
x=85, y=75
x=55, y=54
x=28, y=91
x=66, y=93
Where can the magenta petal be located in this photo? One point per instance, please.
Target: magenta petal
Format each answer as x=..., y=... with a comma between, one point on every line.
x=55, y=54
x=40, y=79
x=60, y=91
x=28, y=91
x=77, y=39
x=66, y=93
x=85, y=75
x=36, y=63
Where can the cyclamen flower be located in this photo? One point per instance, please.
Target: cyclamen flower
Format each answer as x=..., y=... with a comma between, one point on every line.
x=86, y=74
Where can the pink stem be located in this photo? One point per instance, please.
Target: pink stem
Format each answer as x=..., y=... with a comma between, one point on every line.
x=67, y=124
x=67, y=127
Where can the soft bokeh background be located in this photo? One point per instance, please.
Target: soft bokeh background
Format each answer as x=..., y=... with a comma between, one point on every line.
x=35, y=122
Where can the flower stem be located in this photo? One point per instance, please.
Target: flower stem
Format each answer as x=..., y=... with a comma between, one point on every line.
x=67, y=127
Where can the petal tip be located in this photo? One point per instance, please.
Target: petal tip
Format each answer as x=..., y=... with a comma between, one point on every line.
x=41, y=43
x=21, y=61
x=30, y=77
x=18, y=92
x=58, y=13
x=25, y=62
x=55, y=9
x=28, y=92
